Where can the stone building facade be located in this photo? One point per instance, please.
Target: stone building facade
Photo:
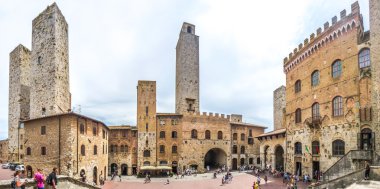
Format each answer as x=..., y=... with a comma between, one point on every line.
x=39, y=79
x=328, y=95
x=272, y=144
x=122, y=150
x=4, y=151
x=75, y=144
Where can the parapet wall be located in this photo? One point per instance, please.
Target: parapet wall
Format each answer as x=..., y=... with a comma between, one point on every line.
x=310, y=45
x=210, y=115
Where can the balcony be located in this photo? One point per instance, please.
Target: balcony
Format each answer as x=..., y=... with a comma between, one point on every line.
x=314, y=122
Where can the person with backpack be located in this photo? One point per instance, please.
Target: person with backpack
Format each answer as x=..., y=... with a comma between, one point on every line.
x=52, y=180
x=39, y=178
x=16, y=183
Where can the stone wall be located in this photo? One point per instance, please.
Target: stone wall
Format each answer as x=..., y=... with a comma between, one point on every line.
x=50, y=90
x=279, y=104
x=268, y=147
x=374, y=7
x=3, y=151
x=19, y=91
x=187, y=70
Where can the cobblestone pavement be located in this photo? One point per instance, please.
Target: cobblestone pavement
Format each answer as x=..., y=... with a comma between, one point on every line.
x=5, y=174
x=201, y=181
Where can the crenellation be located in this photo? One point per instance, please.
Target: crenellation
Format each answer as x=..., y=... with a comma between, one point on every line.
x=319, y=31
x=312, y=37
x=326, y=26
x=355, y=8
x=343, y=14
x=334, y=20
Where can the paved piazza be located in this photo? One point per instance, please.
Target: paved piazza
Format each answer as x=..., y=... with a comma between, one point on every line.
x=201, y=181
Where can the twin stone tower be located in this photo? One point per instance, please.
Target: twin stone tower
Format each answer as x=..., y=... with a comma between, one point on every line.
x=39, y=78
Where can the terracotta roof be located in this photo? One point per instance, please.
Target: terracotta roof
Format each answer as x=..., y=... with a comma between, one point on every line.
x=121, y=127
x=247, y=124
x=63, y=114
x=275, y=132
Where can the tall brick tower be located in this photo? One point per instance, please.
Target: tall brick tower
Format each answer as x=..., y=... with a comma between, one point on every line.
x=187, y=70
x=19, y=91
x=50, y=90
x=374, y=19
x=146, y=122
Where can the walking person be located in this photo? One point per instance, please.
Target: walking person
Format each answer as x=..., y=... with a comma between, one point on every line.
x=17, y=181
x=39, y=178
x=52, y=180
x=266, y=179
x=367, y=170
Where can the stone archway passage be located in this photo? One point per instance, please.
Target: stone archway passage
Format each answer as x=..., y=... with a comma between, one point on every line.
x=215, y=158
x=279, y=155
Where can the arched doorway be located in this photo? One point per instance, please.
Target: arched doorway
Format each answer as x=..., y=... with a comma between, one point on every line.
x=234, y=164
x=95, y=175
x=29, y=171
x=242, y=161
x=279, y=158
x=215, y=158
x=174, y=166
x=113, y=168
x=266, y=149
x=365, y=139
x=105, y=173
x=124, y=169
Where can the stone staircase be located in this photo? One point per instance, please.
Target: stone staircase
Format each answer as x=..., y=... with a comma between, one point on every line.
x=349, y=170
x=365, y=184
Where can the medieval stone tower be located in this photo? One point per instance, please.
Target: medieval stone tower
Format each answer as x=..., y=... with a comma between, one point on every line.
x=19, y=91
x=50, y=90
x=38, y=79
x=187, y=70
x=374, y=15
x=279, y=103
x=146, y=122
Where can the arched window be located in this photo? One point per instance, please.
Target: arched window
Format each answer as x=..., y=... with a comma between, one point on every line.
x=315, y=147
x=298, y=115
x=146, y=153
x=194, y=134
x=115, y=148
x=242, y=149
x=146, y=163
x=111, y=147
x=315, y=111
x=258, y=161
x=83, y=150
x=364, y=58
x=234, y=136
x=242, y=137
x=250, y=160
x=95, y=150
x=81, y=129
x=28, y=151
x=162, y=134
x=336, y=69
x=94, y=130
x=121, y=148
x=126, y=148
x=298, y=148
x=337, y=106
x=207, y=134
x=297, y=86
x=234, y=149
x=174, y=149
x=338, y=148
x=174, y=134
x=220, y=135
x=315, y=78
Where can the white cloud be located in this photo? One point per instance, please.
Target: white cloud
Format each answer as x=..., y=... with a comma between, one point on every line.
x=112, y=45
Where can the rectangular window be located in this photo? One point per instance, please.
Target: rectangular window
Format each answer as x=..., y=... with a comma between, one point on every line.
x=250, y=141
x=146, y=110
x=43, y=130
x=162, y=149
x=21, y=147
x=174, y=149
x=43, y=151
x=250, y=133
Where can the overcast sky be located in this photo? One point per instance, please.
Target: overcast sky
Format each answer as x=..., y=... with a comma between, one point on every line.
x=113, y=44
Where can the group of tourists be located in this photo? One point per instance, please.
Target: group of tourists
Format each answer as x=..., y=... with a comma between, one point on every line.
x=40, y=179
x=226, y=179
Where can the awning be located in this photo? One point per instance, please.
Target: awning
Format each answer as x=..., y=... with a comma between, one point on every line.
x=145, y=168
x=163, y=168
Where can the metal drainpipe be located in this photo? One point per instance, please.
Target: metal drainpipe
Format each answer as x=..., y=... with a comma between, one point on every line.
x=77, y=144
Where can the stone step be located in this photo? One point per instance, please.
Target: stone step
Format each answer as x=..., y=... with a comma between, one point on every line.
x=365, y=184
